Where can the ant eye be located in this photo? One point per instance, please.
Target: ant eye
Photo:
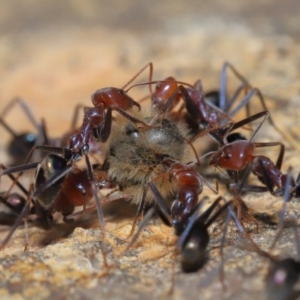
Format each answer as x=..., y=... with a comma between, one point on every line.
x=121, y=92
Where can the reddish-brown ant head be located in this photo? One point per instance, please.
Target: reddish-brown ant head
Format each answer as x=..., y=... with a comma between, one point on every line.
x=234, y=156
x=163, y=92
x=113, y=97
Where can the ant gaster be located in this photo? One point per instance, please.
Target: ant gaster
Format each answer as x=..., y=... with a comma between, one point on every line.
x=283, y=274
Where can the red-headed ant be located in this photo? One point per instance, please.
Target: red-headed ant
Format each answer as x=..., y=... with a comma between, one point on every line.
x=211, y=109
x=239, y=154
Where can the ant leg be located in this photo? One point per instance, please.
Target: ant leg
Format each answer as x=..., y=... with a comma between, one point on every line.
x=172, y=286
x=245, y=101
x=43, y=134
x=142, y=225
x=27, y=166
x=150, y=65
x=247, y=98
x=244, y=85
x=242, y=231
x=94, y=207
x=99, y=209
x=286, y=198
x=214, y=190
x=236, y=189
x=281, y=152
x=15, y=182
x=217, y=213
x=24, y=107
x=223, y=83
x=223, y=240
x=22, y=168
x=77, y=108
x=161, y=202
x=235, y=96
x=8, y=129
x=51, y=181
x=16, y=179
x=102, y=132
x=138, y=214
x=19, y=219
x=250, y=119
x=26, y=232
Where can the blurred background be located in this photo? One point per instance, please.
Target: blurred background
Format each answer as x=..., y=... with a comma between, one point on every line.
x=55, y=54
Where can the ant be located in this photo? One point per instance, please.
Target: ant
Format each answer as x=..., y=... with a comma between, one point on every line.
x=281, y=279
x=58, y=187
x=17, y=207
x=192, y=230
x=187, y=184
x=13, y=202
x=22, y=143
x=283, y=274
x=211, y=109
x=238, y=155
x=57, y=174
x=97, y=121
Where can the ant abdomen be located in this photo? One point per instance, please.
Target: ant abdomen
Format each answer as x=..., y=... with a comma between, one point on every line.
x=20, y=146
x=50, y=166
x=193, y=253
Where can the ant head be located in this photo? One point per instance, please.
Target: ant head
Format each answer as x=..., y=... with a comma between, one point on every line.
x=113, y=97
x=163, y=91
x=234, y=156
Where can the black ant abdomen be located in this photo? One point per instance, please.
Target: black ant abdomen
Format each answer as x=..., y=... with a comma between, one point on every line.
x=19, y=147
x=193, y=252
x=282, y=278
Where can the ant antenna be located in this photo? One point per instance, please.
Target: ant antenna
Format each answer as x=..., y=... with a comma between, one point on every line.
x=150, y=65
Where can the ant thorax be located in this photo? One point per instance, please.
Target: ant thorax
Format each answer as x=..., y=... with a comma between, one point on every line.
x=138, y=154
